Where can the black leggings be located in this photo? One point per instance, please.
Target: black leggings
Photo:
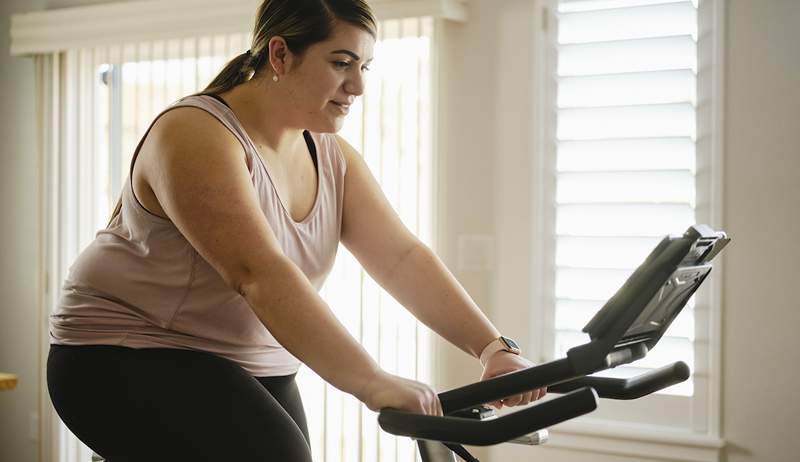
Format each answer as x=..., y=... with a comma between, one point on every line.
x=160, y=404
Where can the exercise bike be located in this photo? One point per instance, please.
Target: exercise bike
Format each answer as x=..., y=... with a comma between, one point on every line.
x=629, y=325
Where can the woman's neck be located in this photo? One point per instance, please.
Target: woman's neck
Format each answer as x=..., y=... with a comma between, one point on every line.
x=262, y=112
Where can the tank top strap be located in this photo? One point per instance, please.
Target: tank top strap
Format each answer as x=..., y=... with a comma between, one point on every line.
x=221, y=112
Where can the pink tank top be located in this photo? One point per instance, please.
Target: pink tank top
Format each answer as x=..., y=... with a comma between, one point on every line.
x=141, y=284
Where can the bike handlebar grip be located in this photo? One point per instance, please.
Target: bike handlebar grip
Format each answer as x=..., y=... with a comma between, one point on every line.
x=632, y=388
x=460, y=430
x=514, y=383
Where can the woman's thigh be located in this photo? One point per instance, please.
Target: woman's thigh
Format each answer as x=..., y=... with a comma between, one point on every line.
x=169, y=404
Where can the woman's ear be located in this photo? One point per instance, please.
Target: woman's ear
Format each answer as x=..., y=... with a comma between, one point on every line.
x=278, y=55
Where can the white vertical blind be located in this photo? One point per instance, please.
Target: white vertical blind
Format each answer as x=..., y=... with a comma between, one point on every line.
x=108, y=97
x=625, y=157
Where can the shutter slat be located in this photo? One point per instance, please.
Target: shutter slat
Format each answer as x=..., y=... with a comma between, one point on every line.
x=675, y=153
x=660, y=186
x=663, y=120
x=623, y=219
x=640, y=55
x=628, y=23
x=569, y=6
x=574, y=314
x=597, y=252
x=589, y=283
x=635, y=88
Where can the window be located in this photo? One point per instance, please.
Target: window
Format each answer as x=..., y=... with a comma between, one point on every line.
x=625, y=157
x=627, y=160
x=104, y=99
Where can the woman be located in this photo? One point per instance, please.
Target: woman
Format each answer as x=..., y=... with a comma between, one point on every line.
x=181, y=327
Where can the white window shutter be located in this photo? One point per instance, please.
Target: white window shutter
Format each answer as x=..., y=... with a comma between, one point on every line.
x=624, y=155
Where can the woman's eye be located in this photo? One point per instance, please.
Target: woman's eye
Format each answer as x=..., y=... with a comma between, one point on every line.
x=346, y=64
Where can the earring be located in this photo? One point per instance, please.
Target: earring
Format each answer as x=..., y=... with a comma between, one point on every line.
x=275, y=78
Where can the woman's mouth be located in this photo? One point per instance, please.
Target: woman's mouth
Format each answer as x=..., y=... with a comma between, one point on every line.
x=344, y=108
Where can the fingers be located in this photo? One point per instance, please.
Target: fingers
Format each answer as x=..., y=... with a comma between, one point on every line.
x=514, y=400
x=432, y=405
x=521, y=399
x=405, y=394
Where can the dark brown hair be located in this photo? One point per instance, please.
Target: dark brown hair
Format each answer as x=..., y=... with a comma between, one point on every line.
x=301, y=23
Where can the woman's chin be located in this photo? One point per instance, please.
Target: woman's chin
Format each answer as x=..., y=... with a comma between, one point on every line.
x=328, y=126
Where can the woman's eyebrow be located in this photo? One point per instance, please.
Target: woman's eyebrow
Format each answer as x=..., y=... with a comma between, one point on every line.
x=349, y=53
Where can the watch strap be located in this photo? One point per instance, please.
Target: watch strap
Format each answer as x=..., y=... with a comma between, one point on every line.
x=493, y=347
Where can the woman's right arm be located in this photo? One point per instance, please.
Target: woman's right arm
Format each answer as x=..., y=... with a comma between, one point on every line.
x=200, y=179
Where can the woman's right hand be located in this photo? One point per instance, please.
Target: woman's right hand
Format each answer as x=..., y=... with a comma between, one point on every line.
x=387, y=390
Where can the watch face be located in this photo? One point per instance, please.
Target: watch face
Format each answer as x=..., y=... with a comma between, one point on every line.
x=510, y=343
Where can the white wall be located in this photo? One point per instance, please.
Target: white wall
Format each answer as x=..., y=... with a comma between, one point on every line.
x=18, y=241
x=761, y=414
x=485, y=171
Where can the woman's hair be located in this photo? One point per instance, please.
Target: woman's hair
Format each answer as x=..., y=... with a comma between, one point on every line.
x=301, y=23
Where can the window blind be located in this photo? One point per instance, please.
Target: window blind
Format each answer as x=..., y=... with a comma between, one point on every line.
x=97, y=104
x=624, y=157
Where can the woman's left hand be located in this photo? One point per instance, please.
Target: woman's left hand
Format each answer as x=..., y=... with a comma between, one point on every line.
x=503, y=362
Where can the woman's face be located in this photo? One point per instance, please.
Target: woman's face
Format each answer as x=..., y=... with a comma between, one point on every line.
x=327, y=79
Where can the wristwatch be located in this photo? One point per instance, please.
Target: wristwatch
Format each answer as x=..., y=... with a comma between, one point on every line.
x=499, y=344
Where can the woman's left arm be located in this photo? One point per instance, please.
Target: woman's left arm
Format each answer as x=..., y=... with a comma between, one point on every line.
x=404, y=266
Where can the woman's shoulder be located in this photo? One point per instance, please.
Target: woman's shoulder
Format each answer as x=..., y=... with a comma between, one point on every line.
x=182, y=133
x=180, y=124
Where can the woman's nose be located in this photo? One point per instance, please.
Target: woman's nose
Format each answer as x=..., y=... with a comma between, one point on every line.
x=355, y=84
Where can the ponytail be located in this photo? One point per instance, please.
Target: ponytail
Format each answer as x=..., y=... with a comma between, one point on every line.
x=238, y=70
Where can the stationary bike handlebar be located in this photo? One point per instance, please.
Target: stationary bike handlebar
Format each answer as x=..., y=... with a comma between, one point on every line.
x=580, y=397
x=632, y=388
x=484, y=433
